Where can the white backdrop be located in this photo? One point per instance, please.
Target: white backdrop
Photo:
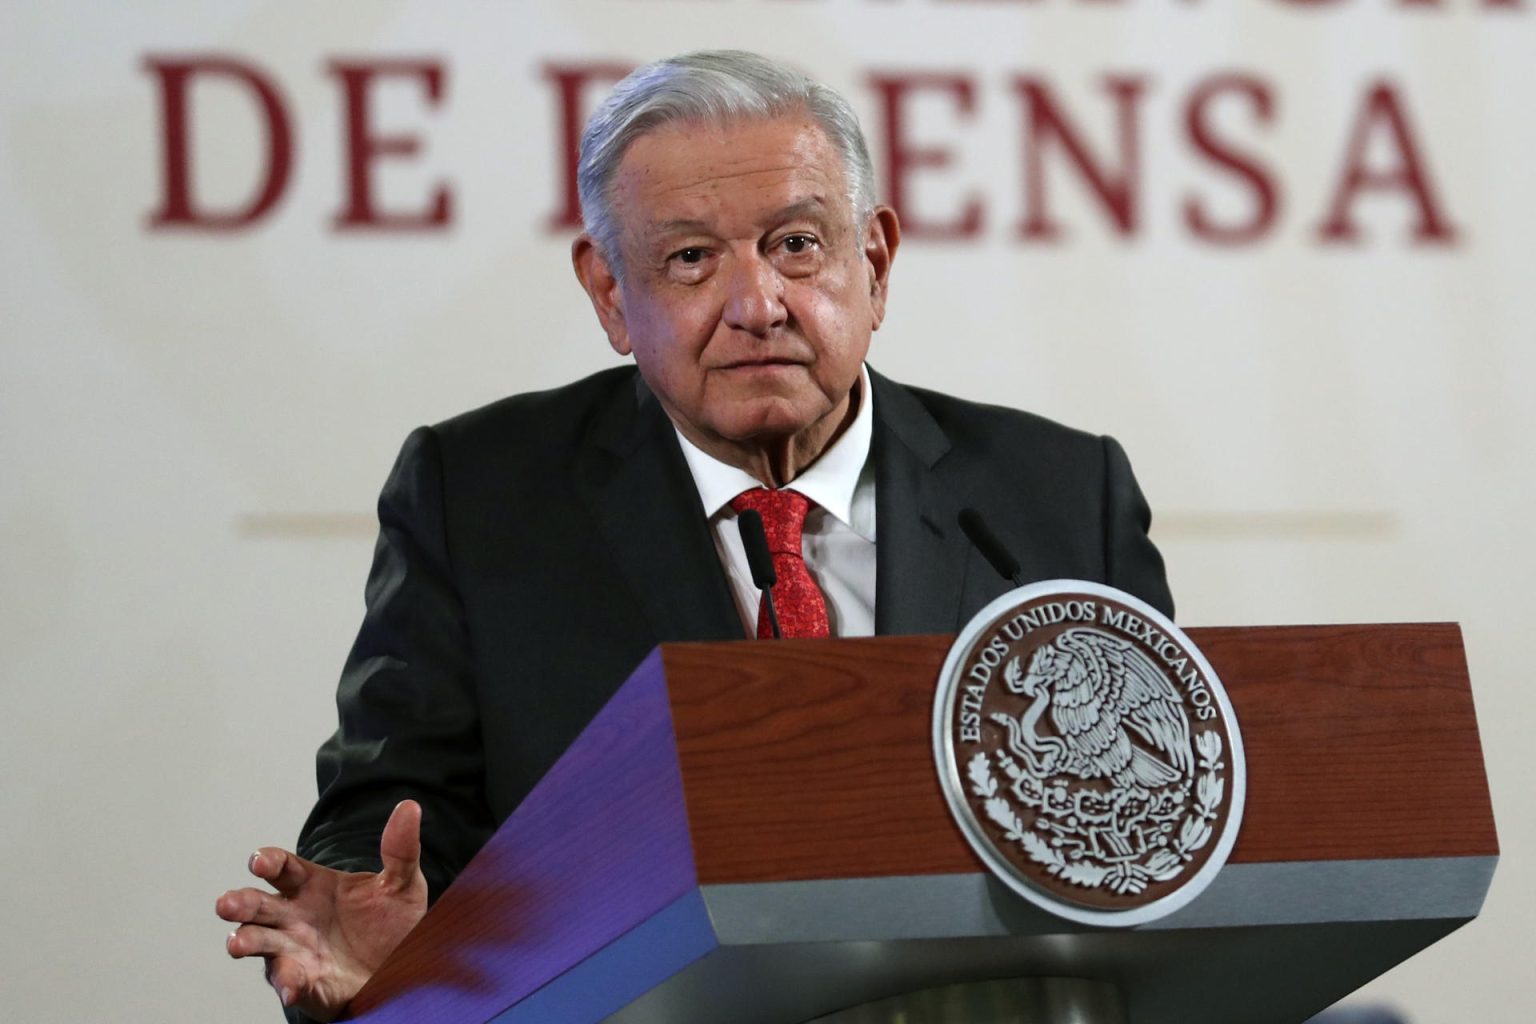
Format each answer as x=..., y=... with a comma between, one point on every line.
x=194, y=423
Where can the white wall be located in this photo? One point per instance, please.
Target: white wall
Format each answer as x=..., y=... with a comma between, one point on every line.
x=193, y=426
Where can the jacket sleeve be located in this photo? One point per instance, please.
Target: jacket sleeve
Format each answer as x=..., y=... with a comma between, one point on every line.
x=1132, y=562
x=409, y=723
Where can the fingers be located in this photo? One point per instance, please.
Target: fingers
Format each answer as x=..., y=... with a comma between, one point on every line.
x=284, y=970
x=286, y=872
x=400, y=846
x=252, y=906
x=254, y=940
x=288, y=979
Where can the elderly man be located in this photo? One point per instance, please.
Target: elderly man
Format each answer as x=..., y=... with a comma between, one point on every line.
x=532, y=552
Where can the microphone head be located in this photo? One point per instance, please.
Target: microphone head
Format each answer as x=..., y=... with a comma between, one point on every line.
x=993, y=550
x=755, y=541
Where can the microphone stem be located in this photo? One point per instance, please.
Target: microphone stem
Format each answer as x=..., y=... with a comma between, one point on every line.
x=773, y=615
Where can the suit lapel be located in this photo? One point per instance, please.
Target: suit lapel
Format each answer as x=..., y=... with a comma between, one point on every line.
x=634, y=479
x=636, y=483
x=921, y=556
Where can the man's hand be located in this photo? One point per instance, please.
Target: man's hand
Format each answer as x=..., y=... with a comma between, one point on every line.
x=324, y=932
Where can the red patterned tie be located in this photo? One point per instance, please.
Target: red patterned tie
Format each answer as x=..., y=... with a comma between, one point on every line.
x=802, y=608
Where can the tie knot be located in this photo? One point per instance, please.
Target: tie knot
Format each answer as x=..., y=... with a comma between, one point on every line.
x=783, y=513
x=801, y=605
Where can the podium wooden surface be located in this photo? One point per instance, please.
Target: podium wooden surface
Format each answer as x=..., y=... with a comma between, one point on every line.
x=755, y=832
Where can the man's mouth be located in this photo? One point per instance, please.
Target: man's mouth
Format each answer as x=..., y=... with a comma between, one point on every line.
x=761, y=363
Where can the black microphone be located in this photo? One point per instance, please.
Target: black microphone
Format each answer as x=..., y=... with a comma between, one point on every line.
x=755, y=541
x=992, y=549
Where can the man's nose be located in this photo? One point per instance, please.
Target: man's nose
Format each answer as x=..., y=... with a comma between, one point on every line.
x=754, y=300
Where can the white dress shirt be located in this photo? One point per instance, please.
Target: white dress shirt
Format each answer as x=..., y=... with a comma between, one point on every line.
x=839, y=536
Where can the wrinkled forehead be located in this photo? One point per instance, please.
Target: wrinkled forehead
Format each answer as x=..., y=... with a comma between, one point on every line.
x=737, y=171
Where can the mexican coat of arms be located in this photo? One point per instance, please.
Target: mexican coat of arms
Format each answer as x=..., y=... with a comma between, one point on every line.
x=1089, y=752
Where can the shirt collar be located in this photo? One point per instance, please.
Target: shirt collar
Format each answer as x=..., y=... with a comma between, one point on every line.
x=832, y=481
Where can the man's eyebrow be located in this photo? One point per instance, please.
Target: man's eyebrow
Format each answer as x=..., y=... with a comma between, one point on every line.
x=802, y=208
x=679, y=225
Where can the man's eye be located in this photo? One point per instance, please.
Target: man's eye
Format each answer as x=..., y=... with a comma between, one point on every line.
x=796, y=244
x=689, y=256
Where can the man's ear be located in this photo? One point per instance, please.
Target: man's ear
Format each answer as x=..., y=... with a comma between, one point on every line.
x=881, y=238
x=602, y=287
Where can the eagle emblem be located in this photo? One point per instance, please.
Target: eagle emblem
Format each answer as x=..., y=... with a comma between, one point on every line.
x=1115, y=715
x=1089, y=752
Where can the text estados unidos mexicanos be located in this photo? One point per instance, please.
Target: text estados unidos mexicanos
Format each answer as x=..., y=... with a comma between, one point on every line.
x=1131, y=625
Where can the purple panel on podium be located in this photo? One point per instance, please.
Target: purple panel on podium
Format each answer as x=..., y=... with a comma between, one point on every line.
x=600, y=847
x=629, y=968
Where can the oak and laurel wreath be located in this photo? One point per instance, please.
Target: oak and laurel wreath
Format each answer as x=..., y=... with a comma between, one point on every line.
x=1162, y=866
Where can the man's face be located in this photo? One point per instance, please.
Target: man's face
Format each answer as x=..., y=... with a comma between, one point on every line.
x=748, y=296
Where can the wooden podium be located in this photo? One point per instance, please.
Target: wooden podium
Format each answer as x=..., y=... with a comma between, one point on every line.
x=753, y=833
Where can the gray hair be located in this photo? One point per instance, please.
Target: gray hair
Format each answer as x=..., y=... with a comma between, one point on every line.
x=712, y=87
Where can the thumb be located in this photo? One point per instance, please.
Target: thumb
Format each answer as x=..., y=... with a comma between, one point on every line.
x=400, y=846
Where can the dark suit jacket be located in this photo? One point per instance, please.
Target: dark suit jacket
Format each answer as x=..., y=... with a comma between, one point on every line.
x=532, y=552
